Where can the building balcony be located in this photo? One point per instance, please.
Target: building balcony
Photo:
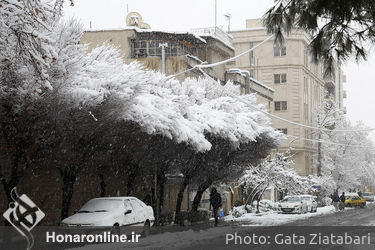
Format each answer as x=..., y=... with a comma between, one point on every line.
x=216, y=33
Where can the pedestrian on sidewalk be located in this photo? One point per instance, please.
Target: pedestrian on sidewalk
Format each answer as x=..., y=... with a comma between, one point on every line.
x=342, y=200
x=215, y=202
x=335, y=201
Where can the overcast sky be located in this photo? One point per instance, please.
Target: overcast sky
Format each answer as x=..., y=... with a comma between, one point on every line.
x=184, y=15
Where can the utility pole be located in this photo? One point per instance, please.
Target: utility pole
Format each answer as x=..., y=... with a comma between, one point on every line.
x=215, y=16
x=163, y=45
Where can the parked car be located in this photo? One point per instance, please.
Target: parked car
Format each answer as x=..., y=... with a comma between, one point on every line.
x=120, y=214
x=293, y=204
x=312, y=205
x=368, y=196
x=353, y=200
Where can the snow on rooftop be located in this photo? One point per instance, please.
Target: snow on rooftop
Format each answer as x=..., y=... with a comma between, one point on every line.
x=149, y=31
x=168, y=32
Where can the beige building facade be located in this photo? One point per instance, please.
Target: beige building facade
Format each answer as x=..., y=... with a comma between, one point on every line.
x=299, y=85
x=183, y=50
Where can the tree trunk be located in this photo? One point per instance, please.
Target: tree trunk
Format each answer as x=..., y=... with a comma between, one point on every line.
x=68, y=178
x=161, y=183
x=102, y=185
x=319, y=167
x=258, y=199
x=180, y=196
x=198, y=196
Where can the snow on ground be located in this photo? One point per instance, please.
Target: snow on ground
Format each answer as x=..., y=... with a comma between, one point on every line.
x=167, y=240
x=175, y=240
x=274, y=218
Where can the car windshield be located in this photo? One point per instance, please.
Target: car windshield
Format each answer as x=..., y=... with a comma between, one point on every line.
x=367, y=194
x=291, y=199
x=100, y=205
x=306, y=198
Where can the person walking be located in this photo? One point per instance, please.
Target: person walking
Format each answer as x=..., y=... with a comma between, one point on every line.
x=335, y=201
x=215, y=202
x=342, y=201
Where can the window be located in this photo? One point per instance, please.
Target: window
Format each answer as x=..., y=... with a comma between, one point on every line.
x=251, y=54
x=279, y=50
x=282, y=105
x=136, y=205
x=146, y=48
x=279, y=78
x=283, y=130
x=127, y=204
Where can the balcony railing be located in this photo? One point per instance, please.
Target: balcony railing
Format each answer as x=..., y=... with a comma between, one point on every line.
x=215, y=32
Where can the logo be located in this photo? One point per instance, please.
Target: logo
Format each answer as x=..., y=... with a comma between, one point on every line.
x=24, y=215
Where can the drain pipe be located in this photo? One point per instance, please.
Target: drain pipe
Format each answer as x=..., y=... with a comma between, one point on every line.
x=247, y=81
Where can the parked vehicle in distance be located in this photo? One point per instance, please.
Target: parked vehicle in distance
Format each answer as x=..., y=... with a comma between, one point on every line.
x=312, y=205
x=368, y=196
x=120, y=214
x=353, y=200
x=293, y=204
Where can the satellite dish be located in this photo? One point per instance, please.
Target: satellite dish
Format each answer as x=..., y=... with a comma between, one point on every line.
x=135, y=19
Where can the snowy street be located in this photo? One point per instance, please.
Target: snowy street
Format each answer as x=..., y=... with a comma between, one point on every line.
x=208, y=237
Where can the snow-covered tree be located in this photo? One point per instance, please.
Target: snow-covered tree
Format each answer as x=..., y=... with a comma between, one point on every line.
x=65, y=107
x=274, y=171
x=342, y=158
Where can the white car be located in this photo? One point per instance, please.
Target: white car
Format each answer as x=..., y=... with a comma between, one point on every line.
x=312, y=205
x=121, y=214
x=293, y=204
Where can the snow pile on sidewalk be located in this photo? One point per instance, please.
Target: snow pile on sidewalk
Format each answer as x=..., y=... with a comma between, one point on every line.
x=274, y=218
x=264, y=206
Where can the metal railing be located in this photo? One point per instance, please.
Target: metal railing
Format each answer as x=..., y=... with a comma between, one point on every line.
x=216, y=32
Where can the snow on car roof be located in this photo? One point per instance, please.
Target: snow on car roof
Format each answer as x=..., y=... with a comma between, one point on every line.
x=116, y=198
x=351, y=194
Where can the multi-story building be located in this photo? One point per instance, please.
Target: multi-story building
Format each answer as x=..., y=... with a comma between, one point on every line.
x=299, y=85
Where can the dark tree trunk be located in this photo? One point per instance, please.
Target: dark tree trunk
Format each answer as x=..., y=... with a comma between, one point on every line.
x=258, y=205
x=12, y=183
x=160, y=193
x=68, y=178
x=198, y=196
x=131, y=177
x=180, y=196
x=102, y=185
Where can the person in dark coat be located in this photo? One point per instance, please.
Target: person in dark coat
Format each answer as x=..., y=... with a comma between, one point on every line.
x=342, y=201
x=335, y=201
x=215, y=201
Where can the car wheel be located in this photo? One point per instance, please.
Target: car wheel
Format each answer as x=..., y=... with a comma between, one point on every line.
x=115, y=229
x=146, y=229
x=362, y=205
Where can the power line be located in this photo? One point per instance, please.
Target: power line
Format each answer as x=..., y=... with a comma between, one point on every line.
x=326, y=142
x=307, y=126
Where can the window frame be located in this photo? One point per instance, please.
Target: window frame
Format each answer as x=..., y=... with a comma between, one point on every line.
x=279, y=50
x=282, y=78
x=283, y=105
